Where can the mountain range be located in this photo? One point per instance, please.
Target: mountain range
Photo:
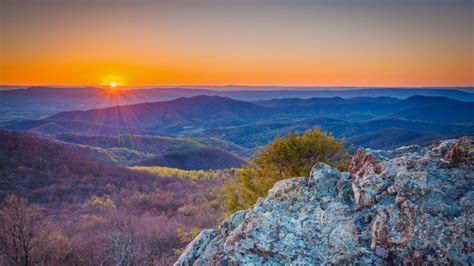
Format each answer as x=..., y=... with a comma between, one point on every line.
x=40, y=102
x=183, y=132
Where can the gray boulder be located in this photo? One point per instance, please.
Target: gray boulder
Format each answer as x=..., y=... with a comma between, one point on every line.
x=406, y=206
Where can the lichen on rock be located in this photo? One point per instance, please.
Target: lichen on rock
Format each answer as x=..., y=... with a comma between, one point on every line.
x=405, y=206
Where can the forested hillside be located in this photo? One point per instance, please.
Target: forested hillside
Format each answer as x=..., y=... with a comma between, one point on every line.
x=74, y=193
x=196, y=159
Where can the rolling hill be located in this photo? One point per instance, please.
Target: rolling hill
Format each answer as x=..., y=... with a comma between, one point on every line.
x=54, y=175
x=154, y=145
x=257, y=134
x=50, y=127
x=41, y=101
x=196, y=159
x=453, y=113
x=392, y=138
x=172, y=116
x=203, y=112
x=49, y=173
x=359, y=108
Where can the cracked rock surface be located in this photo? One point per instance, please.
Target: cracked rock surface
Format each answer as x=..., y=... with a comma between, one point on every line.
x=404, y=206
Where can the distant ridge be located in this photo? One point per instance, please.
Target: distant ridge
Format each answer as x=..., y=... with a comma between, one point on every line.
x=53, y=127
x=210, y=111
x=252, y=124
x=392, y=138
x=196, y=159
x=42, y=101
x=258, y=134
x=178, y=113
x=458, y=113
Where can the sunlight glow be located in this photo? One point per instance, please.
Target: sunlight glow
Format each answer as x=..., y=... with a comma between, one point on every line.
x=113, y=84
x=112, y=81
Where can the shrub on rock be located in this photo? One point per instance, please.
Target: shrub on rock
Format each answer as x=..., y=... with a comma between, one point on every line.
x=284, y=158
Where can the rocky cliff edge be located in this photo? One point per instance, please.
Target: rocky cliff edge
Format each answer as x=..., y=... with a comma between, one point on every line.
x=409, y=205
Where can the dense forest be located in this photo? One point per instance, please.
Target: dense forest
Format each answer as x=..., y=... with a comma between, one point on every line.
x=82, y=210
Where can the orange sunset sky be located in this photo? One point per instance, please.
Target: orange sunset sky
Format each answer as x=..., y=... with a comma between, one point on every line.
x=260, y=42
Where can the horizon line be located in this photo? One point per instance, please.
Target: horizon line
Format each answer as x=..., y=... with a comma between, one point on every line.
x=245, y=85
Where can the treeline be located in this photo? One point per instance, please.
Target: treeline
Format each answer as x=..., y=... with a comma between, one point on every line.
x=191, y=175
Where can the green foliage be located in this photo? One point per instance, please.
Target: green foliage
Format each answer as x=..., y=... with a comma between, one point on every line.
x=191, y=175
x=287, y=157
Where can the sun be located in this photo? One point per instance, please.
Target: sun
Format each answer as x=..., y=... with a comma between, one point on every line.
x=113, y=84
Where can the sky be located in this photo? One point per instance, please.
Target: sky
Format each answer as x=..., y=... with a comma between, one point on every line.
x=240, y=42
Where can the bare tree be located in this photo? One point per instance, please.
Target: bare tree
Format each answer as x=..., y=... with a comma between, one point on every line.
x=124, y=246
x=20, y=231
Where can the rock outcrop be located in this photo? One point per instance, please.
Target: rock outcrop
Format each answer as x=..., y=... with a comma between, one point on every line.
x=405, y=206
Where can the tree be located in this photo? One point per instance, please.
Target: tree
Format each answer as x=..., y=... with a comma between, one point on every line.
x=124, y=246
x=20, y=231
x=287, y=157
